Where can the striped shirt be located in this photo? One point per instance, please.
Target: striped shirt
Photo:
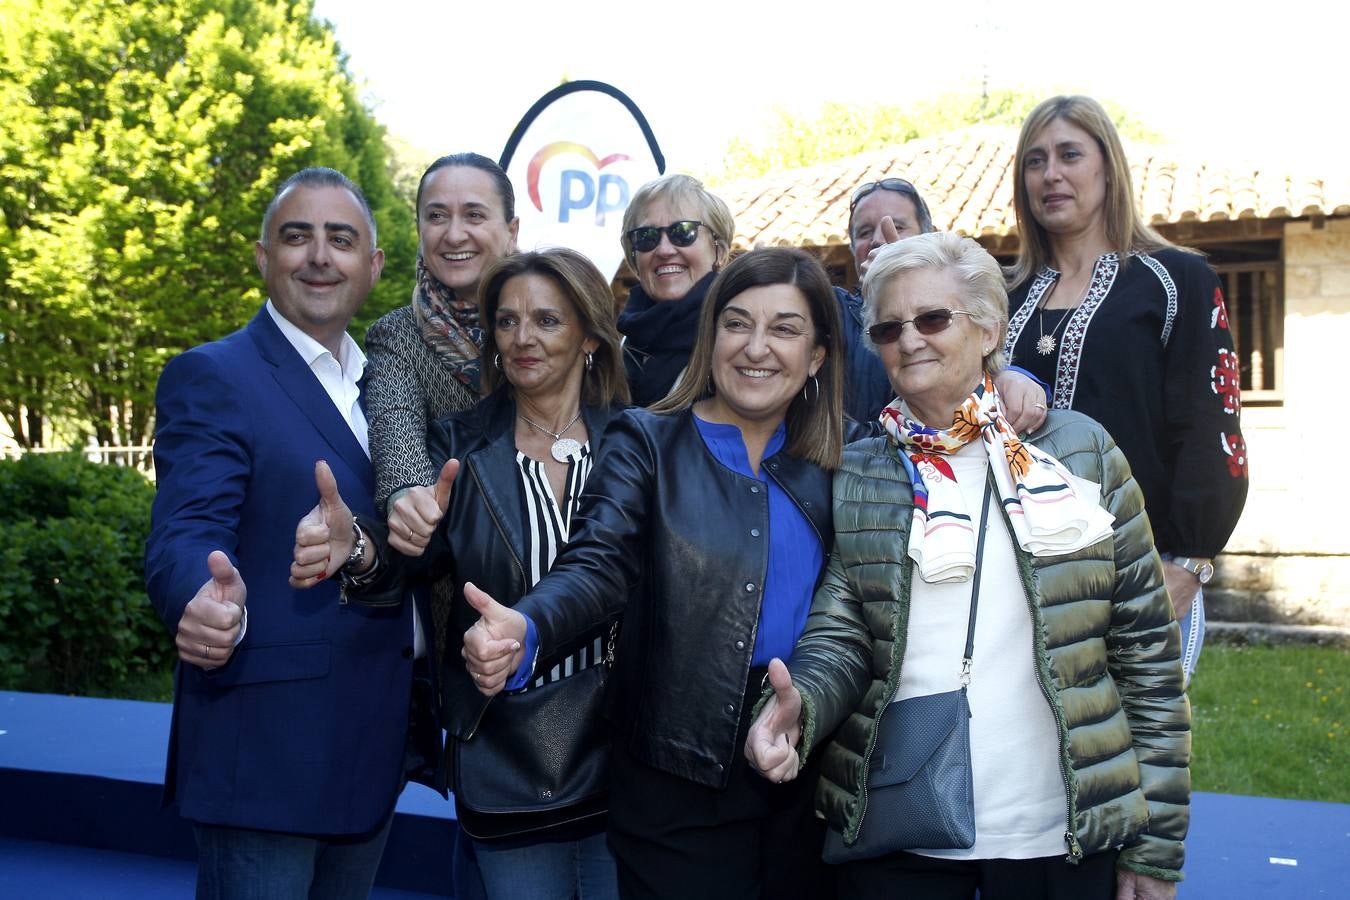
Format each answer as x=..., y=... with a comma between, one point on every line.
x=546, y=521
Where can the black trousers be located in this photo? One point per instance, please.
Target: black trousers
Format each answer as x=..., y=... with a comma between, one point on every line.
x=913, y=877
x=676, y=840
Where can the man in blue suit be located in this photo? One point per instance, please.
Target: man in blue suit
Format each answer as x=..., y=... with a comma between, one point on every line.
x=290, y=707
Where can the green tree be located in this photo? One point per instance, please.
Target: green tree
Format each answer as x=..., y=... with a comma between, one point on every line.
x=843, y=129
x=141, y=143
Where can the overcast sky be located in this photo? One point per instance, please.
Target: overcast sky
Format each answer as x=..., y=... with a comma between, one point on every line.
x=1261, y=85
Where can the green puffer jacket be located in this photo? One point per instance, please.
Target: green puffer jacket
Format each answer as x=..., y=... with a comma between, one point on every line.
x=1107, y=651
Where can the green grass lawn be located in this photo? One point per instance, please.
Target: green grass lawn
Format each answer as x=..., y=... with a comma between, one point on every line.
x=1272, y=722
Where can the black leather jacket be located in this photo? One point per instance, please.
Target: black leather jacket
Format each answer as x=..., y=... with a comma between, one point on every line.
x=481, y=539
x=680, y=544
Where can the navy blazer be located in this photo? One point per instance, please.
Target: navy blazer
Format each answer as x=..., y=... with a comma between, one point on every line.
x=303, y=730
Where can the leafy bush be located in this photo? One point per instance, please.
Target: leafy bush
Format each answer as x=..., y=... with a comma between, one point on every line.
x=74, y=616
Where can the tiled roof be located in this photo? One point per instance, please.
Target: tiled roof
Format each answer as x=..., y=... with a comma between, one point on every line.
x=966, y=177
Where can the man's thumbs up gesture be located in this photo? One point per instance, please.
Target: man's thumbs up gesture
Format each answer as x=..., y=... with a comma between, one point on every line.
x=212, y=619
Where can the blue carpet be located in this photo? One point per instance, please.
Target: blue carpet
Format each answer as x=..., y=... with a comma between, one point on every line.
x=40, y=871
x=80, y=817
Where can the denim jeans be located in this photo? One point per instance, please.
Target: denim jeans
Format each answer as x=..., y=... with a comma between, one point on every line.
x=240, y=864
x=548, y=870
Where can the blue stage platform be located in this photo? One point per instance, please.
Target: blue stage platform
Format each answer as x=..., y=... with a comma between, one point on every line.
x=80, y=817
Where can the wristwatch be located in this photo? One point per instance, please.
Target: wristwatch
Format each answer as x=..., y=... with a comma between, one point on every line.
x=1200, y=568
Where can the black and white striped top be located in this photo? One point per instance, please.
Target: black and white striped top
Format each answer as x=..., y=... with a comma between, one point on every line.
x=546, y=523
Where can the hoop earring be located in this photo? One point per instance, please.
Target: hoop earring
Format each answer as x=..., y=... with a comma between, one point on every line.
x=497, y=360
x=590, y=360
x=710, y=386
x=817, y=386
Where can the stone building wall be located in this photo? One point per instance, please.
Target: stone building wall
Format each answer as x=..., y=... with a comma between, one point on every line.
x=1289, y=560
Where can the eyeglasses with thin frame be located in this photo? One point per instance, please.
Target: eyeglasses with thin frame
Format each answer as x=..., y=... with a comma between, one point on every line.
x=648, y=237
x=899, y=185
x=935, y=321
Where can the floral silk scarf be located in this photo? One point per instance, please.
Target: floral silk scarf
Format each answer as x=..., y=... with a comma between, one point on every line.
x=1053, y=512
x=449, y=326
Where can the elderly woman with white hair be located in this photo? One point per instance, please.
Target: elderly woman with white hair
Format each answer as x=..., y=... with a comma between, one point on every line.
x=1064, y=717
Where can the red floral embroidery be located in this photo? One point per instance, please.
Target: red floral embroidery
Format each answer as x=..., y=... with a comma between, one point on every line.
x=1218, y=316
x=1225, y=381
x=1235, y=448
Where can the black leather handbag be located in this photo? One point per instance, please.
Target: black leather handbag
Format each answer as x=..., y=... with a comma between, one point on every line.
x=919, y=789
x=539, y=758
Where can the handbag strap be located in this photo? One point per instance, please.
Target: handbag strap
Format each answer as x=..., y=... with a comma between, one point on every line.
x=975, y=580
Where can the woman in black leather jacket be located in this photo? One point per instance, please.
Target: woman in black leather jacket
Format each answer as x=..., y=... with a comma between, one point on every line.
x=707, y=524
x=525, y=791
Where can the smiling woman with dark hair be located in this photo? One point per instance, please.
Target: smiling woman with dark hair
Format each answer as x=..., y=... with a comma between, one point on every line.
x=707, y=524
x=529, y=795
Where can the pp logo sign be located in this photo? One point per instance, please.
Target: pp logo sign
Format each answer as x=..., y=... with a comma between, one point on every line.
x=580, y=191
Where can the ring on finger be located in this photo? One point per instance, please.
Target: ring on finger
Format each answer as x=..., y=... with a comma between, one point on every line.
x=1042, y=406
x=478, y=677
x=206, y=649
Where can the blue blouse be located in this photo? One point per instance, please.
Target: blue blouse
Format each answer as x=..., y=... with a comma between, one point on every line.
x=796, y=557
x=795, y=551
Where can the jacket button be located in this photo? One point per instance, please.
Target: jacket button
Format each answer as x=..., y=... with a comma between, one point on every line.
x=754, y=489
x=806, y=504
x=773, y=465
x=754, y=532
x=740, y=645
x=721, y=768
x=731, y=709
x=749, y=586
x=407, y=653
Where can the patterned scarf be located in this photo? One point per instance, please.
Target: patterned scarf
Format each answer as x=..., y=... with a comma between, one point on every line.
x=1053, y=512
x=449, y=326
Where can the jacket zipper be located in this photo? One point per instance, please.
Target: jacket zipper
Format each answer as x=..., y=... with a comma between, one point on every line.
x=1042, y=679
x=520, y=568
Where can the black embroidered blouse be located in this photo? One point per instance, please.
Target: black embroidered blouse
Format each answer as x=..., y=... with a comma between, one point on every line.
x=1149, y=354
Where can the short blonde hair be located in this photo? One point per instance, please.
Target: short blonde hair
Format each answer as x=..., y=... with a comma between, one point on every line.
x=681, y=192
x=985, y=296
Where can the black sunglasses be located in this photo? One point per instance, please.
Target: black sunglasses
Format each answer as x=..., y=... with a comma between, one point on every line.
x=931, y=322
x=899, y=185
x=681, y=234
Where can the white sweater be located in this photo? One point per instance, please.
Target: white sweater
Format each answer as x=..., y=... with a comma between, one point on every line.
x=1020, y=804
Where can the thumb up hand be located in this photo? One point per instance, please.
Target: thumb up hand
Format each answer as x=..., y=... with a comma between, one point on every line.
x=211, y=620
x=492, y=645
x=416, y=511
x=771, y=745
x=323, y=538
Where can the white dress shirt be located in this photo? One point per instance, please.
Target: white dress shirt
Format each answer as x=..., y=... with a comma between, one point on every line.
x=340, y=378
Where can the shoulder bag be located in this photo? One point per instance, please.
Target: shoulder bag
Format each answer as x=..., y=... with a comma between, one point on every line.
x=539, y=758
x=919, y=792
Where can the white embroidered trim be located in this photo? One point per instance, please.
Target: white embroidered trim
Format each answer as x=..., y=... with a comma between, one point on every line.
x=1071, y=344
x=1169, y=286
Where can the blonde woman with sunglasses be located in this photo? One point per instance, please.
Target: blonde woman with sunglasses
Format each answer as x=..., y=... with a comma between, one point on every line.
x=676, y=236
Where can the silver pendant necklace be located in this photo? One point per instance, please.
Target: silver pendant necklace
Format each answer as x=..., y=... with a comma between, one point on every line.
x=1046, y=345
x=563, y=448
